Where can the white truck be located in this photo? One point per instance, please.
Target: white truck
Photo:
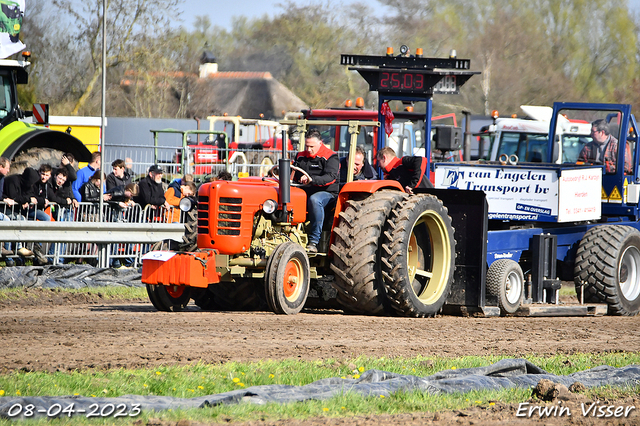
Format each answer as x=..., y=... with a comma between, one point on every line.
x=525, y=139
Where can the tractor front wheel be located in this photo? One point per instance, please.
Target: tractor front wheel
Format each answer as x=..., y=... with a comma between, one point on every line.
x=287, y=279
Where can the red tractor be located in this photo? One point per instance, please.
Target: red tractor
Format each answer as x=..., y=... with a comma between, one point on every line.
x=384, y=251
x=251, y=242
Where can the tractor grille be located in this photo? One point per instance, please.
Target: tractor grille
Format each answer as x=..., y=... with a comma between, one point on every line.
x=203, y=215
x=229, y=216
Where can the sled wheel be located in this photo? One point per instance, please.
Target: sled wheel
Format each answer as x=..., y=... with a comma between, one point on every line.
x=505, y=281
x=171, y=298
x=287, y=280
x=419, y=256
x=607, y=268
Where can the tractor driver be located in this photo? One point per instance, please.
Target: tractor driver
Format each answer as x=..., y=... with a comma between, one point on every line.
x=604, y=149
x=322, y=165
x=409, y=171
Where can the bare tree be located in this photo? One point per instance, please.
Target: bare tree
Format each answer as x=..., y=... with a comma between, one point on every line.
x=125, y=19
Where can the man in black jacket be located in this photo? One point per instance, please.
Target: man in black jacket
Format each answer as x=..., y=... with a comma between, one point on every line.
x=151, y=192
x=119, y=176
x=323, y=166
x=362, y=170
x=409, y=171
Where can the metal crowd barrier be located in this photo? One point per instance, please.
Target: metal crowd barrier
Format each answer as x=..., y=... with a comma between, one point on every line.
x=124, y=235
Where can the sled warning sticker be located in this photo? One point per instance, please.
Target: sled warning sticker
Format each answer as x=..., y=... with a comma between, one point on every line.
x=615, y=196
x=603, y=195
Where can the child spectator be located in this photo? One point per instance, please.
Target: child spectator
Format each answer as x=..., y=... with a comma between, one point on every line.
x=175, y=193
x=91, y=190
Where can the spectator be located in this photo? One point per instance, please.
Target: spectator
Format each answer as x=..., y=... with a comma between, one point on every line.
x=224, y=175
x=177, y=192
x=5, y=165
x=362, y=170
x=323, y=166
x=63, y=196
x=186, y=178
x=84, y=174
x=66, y=161
x=119, y=176
x=128, y=164
x=408, y=170
x=151, y=192
x=91, y=190
x=16, y=194
x=41, y=195
x=122, y=196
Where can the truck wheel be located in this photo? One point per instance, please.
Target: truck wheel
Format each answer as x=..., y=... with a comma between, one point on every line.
x=266, y=164
x=608, y=264
x=171, y=298
x=287, y=279
x=356, y=253
x=418, y=260
x=241, y=295
x=35, y=157
x=505, y=281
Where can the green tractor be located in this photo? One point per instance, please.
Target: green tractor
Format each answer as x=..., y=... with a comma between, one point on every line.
x=25, y=144
x=10, y=19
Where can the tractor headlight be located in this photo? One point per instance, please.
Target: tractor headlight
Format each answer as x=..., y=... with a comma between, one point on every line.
x=186, y=204
x=269, y=206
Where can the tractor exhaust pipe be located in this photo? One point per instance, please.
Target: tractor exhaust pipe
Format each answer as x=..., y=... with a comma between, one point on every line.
x=284, y=164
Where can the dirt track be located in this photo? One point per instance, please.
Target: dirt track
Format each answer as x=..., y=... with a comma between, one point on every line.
x=52, y=331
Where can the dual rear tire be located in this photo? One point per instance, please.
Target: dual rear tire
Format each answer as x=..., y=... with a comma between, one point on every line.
x=394, y=254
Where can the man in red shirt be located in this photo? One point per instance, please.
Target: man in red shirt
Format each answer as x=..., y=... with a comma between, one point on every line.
x=323, y=165
x=409, y=171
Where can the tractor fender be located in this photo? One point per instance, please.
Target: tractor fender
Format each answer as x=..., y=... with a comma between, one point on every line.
x=351, y=189
x=19, y=136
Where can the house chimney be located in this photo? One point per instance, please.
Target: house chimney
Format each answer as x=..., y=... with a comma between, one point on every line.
x=208, y=64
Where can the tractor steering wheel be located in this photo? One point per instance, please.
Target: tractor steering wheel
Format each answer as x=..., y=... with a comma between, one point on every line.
x=274, y=174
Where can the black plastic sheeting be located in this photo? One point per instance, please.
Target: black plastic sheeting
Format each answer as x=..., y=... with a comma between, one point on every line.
x=67, y=276
x=508, y=373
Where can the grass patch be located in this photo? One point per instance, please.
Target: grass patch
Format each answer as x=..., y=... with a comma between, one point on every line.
x=107, y=292
x=204, y=379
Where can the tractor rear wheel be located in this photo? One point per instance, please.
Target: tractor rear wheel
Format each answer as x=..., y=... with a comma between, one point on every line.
x=356, y=249
x=190, y=238
x=418, y=260
x=172, y=298
x=608, y=266
x=35, y=157
x=287, y=279
x=242, y=295
x=204, y=299
x=505, y=281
